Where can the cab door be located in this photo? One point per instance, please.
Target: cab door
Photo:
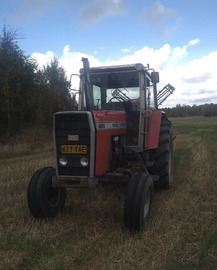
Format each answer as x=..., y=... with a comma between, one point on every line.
x=135, y=118
x=138, y=117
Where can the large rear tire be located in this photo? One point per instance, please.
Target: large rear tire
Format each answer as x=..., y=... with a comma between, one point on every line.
x=44, y=201
x=163, y=157
x=138, y=201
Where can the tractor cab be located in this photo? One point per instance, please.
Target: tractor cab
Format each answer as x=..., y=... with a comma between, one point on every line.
x=128, y=88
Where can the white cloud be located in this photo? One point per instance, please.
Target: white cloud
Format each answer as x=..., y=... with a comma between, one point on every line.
x=95, y=10
x=180, y=52
x=195, y=81
x=43, y=59
x=157, y=14
x=125, y=50
x=162, y=20
x=71, y=61
x=89, y=11
x=194, y=42
x=146, y=55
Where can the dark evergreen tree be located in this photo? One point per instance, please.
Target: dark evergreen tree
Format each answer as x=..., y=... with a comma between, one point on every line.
x=54, y=92
x=28, y=96
x=195, y=110
x=17, y=84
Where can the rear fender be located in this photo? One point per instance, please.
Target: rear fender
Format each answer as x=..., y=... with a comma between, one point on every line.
x=153, y=129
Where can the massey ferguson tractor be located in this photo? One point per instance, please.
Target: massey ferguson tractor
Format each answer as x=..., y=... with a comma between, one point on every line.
x=118, y=134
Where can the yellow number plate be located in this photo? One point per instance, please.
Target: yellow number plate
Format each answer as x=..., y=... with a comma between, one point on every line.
x=73, y=149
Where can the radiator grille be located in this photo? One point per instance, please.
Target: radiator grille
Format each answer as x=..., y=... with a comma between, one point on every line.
x=72, y=124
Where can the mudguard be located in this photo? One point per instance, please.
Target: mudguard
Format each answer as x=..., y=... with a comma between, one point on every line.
x=153, y=130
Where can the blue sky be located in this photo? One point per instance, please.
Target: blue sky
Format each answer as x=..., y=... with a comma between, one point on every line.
x=177, y=38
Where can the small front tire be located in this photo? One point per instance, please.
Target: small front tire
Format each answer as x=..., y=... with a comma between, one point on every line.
x=44, y=201
x=138, y=201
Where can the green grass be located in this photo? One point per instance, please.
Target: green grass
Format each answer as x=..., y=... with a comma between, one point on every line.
x=90, y=234
x=205, y=127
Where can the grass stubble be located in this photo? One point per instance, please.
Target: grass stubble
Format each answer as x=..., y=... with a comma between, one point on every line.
x=90, y=234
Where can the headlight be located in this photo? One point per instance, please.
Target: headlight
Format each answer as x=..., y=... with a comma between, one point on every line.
x=84, y=161
x=63, y=161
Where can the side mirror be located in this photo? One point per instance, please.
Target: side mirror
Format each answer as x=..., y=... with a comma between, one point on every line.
x=155, y=77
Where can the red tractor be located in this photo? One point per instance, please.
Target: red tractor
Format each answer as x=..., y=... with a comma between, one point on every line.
x=117, y=135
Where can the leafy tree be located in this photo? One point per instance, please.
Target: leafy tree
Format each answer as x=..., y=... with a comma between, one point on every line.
x=54, y=92
x=195, y=110
x=17, y=76
x=209, y=110
x=28, y=96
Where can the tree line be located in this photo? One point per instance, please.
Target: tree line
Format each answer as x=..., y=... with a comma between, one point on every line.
x=28, y=95
x=205, y=110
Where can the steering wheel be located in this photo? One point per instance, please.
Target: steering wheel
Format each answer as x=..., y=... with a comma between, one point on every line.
x=110, y=100
x=119, y=95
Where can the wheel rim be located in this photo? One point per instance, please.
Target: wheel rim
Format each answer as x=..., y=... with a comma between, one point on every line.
x=147, y=203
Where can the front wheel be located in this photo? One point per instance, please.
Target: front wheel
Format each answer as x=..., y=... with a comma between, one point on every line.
x=138, y=201
x=44, y=201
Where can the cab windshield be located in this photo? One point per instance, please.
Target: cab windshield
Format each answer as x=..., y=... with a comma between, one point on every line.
x=115, y=91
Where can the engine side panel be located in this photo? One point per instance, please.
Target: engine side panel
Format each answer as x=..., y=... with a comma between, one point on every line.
x=108, y=124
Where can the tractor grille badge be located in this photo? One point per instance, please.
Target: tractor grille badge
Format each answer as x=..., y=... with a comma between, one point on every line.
x=73, y=138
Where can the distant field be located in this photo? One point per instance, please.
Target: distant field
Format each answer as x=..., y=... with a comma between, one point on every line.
x=90, y=234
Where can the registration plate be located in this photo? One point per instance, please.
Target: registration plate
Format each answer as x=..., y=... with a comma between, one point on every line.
x=73, y=149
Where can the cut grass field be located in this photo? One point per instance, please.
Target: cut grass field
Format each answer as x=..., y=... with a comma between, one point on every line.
x=90, y=234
